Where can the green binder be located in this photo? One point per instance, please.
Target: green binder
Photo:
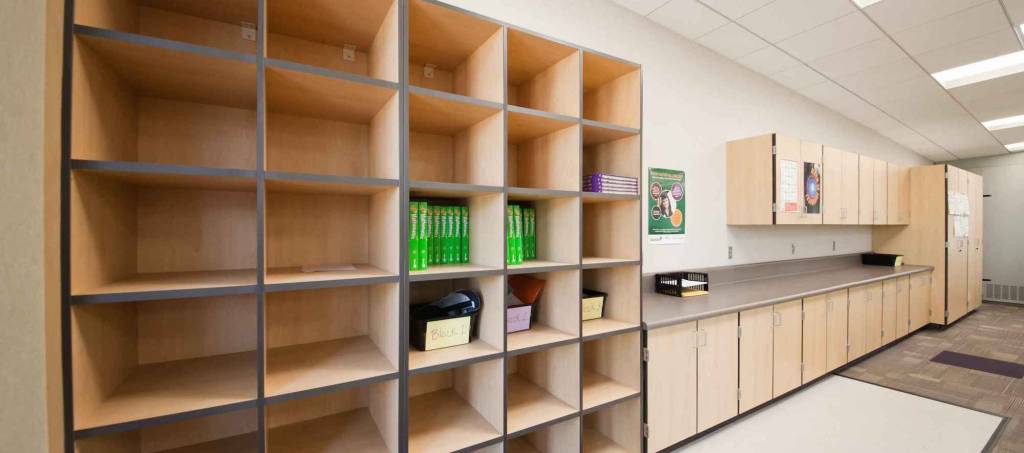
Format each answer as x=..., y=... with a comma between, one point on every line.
x=509, y=233
x=424, y=238
x=518, y=238
x=465, y=234
x=414, y=235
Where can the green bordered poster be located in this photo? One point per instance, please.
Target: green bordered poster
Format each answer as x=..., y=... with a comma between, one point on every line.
x=666, y=206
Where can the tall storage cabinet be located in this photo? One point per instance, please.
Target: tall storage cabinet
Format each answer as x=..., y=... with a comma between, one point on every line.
x=238, y=177
x=945, y=231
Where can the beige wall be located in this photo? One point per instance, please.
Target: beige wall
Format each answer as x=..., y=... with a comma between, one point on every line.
x=29, y=246
x=694, y=102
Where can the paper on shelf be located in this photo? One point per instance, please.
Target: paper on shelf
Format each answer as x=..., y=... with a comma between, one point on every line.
x=690, y=283
x=327, y=267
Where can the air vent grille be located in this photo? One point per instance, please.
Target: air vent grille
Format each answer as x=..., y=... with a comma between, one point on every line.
x=1004, y=293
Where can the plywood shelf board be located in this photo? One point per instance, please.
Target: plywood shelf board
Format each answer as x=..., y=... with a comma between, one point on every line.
x=539, y=266
x=599, y=389
x=537, y=335
x=170, y=388
x=595, y=197
x=445, y=116
x=283, y=276
x=353, y=430
x=315, y=183
x=535, y=194
x=144, y=174
x=433, y=189
x=310, y=366
x=449, y=271
x=603, y=326
x=593, y=262
x=240, y=443
x=311, y=95
x=455, y=355
x=524, y=125
x=173, y=281
x=443, y=421
x=530, y=405
x=172, y=73
x=596, y=132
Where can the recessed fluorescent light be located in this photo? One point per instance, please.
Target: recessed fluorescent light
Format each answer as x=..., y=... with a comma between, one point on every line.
x=981, y=71
x=1004, y=123
x=865, y=3
x=1015, y=146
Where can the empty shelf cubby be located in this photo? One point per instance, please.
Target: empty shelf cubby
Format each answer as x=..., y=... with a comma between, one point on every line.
x=542, y=386
x=234, y=431
x=611, y=90
x=456, y=409
x=362, y=418
x=543, y=74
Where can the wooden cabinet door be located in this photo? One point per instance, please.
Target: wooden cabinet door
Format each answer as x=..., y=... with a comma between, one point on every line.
x=671, y=384
x=815, y=338
x=837, y=329
x=881, y=189
x=920, y=299
x=902, y=307
x=788, y=151
x=832, y=186
x=873, y=317
x=787, y=350
x=851, y=188
x=974, y=241
x=748, y=181
x=858, y=322
x=956, y=261
x=866, y=211
x=717, y=370
x=756, y=345
x=899, y=195
x=888, y=311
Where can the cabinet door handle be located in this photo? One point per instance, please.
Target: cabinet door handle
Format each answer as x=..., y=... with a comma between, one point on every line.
x=702, y=338
x=777, y=318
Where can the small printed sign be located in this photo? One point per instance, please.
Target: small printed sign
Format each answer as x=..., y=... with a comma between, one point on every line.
x=446, y=333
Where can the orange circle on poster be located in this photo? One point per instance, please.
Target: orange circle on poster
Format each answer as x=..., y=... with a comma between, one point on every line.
x=677, y=218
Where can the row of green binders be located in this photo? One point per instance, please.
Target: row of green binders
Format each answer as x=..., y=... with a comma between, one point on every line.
x=521, y=236
x=437, y=235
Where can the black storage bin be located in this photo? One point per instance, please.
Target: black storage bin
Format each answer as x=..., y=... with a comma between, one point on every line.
x=671, y=283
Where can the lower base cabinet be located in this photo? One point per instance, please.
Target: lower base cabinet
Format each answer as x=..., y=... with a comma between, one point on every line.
x=672, y=379
x=889, y=322
x=717, y=370
x=838, y=306
x=787, y=350
x=756, y=357
x=703, y=373
x=920, y=299
x=815, y=338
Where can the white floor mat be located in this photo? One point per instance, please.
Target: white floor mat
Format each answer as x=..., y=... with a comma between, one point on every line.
x=839, y=415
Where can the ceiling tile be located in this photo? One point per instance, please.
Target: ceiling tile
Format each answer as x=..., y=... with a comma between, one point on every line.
x=1008, y=136
x=688, y=18
x=953, y=29
x=798, y=78
x=1016, y=10
x=992, y=99
x=882, y=75
x=768, y=61
x=916, y=87
x=898, y=15
x=859, y=58
x=1000, y=42
x=841, y=34
x=736, y=8
x=641, y=7
x=784, y=18
x=732, y=41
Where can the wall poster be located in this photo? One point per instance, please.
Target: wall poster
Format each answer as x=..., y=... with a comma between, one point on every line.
x=666, y=206
x=812, y=188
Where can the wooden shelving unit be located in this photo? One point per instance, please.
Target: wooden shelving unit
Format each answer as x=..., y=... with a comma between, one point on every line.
x=238, y=178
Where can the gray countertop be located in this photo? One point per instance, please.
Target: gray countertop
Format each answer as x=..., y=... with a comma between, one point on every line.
x=661, y=310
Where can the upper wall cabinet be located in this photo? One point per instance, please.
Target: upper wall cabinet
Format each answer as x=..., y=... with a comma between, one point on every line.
x=840, y=184
x=773, y=179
